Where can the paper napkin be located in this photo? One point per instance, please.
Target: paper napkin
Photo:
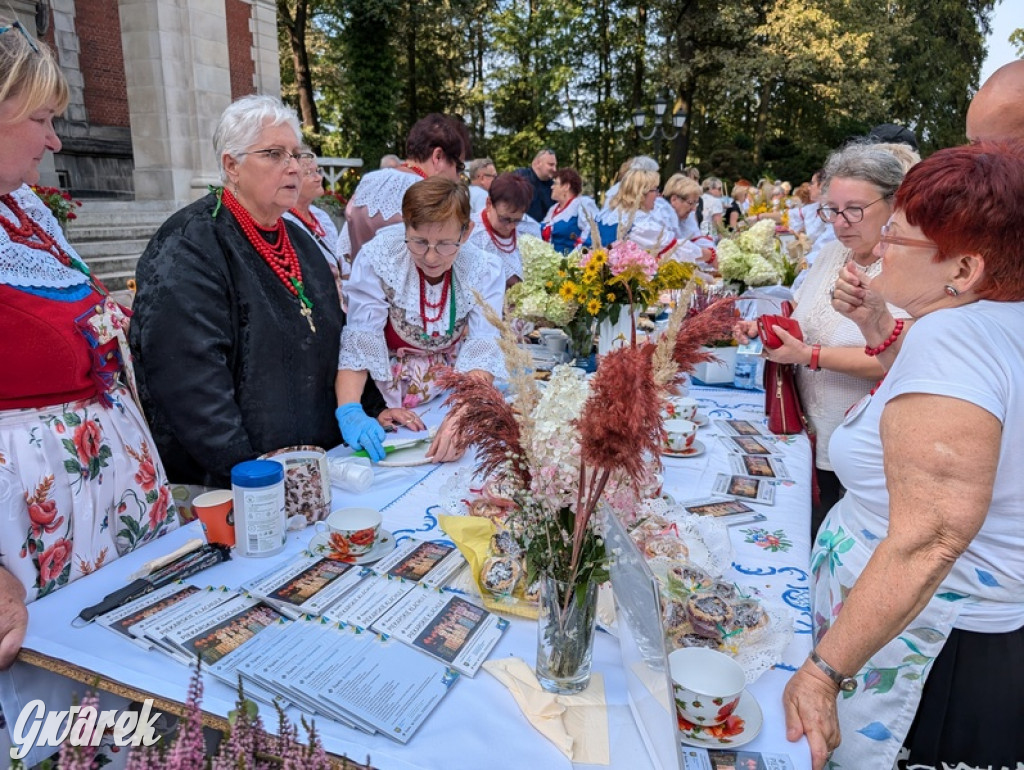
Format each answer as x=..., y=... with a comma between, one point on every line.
x=576, y=724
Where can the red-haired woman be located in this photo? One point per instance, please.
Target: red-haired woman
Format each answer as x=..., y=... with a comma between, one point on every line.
x=566, y=225
x=497, y=228
x=918, y=572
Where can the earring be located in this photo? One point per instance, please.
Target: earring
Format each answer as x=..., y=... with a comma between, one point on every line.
x=951, y=291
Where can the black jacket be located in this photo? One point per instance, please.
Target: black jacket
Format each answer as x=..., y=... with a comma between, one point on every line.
x=227, y=367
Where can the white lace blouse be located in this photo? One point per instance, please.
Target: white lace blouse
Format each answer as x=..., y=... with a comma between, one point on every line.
x=33, y=268
x=511, y=262
x=827, y=394
x=385, y=284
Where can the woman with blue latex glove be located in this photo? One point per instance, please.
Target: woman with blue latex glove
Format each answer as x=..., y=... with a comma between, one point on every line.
x=411, y=309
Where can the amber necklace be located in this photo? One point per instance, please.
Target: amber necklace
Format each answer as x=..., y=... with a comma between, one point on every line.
x=280, y=257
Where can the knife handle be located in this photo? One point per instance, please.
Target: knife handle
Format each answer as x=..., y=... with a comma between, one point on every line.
x=111, y=601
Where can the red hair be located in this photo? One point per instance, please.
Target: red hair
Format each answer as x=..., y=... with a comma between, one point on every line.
x=511, y=189
x=970, y=200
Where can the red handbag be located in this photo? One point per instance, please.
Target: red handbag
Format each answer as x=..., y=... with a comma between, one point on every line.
x=781, y=398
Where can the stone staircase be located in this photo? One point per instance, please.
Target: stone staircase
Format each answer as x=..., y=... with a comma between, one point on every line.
x=111, y=235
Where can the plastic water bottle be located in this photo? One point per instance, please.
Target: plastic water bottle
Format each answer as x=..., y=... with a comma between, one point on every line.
x=748, y=366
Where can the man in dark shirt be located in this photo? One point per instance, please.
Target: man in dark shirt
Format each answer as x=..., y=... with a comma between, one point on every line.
x=541, y=175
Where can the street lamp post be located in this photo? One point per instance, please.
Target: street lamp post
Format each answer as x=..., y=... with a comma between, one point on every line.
x=658, y=131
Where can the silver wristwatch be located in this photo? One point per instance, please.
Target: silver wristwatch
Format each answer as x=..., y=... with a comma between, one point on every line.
x=844, y=683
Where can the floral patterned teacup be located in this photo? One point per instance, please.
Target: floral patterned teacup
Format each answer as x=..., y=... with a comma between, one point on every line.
x=679, y=435
x=307, y=485
x=707, y=684
x=679, y=408
x=354, y=529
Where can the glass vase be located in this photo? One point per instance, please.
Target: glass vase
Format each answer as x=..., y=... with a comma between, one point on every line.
x=565, y=635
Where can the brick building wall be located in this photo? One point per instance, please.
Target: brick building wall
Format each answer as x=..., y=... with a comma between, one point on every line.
x=243, y=69
x=102, y=62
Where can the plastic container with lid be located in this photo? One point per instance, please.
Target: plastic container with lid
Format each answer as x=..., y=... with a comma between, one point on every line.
x=260, y=521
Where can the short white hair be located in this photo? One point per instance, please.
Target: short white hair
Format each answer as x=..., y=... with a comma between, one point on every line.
x=644, y=163
x=241, y=123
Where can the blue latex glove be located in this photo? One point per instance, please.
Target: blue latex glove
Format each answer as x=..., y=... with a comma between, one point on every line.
x=361, y=431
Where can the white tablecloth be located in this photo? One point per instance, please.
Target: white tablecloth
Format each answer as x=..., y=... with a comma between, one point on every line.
x=478, y=724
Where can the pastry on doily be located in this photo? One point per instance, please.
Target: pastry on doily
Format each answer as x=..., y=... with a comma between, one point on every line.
x=652, y=525
x=724, y=590
x=665, y=545
x=674, y=616
x=691, y=639
x=691, y=577
x=500, y=574
x=710, y=615
x=503, y=543
x=499, y=491
x=488, y=509
x=748, y=615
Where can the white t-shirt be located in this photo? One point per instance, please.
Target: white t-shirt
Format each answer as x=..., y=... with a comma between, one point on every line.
x=974, y=353
x=712, y=206
x=477, y=199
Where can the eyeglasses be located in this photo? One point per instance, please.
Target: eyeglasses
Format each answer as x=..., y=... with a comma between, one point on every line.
x=486, y=175
x=459, y=165
x=24, y=33
x=419, y=247
x=896, y=240
x=687, y=201
x=852, y=214
x=278, y=155
x=509, y=221
x=654, y=190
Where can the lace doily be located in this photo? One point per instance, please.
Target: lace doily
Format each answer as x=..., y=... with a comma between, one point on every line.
x=32, y=268
x=381, y=191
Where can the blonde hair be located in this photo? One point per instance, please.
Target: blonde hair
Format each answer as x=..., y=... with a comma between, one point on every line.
x=680, y=185
x=634, y=187
x=740, y=188
x=29, y=71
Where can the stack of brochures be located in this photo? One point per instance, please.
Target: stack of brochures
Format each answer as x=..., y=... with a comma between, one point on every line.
x=373, y=648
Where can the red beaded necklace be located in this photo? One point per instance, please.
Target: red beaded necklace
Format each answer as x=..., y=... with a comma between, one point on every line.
x=313, y=224
x=447, y=297
x=505, y=247
x=28, y=232
x=415, y=169
x=280, y=257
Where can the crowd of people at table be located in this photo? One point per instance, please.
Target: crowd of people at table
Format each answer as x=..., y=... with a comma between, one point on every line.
x=257, y=325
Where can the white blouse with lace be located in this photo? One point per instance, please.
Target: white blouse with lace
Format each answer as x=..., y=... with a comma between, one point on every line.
x=827, y=394
x=385, y=285
x=511, y=261
x=35, y=268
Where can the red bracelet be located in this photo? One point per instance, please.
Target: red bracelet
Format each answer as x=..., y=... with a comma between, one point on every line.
x=815, y=353
x=897, y=330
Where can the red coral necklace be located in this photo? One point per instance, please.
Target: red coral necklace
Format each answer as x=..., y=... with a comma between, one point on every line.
x=415, y=169
x=280, y=257
x=30, y=233
x=313, y=224
x=504, y=246
x=447, y=297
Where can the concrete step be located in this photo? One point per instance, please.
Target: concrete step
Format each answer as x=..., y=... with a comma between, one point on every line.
x=91, y=250
x=116, y=282
x=109, y=265
x=112, y=232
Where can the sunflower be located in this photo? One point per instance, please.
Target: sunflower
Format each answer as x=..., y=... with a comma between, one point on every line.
x=594, y=306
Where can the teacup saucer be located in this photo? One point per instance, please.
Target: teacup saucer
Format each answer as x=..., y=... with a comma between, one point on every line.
x=696, y=450
x=320, y=545
x=740, y=728
x=700, y=420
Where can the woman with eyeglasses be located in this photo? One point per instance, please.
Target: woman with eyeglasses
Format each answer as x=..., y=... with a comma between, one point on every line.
x=834, y=371
x=411, y=308
x=315, y=221
x=497, y=228
x=237, y=319
x=683, y=194
x=918, y=573
x=437, y=145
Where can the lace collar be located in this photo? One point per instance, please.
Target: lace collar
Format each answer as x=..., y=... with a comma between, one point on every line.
x=381, y=191
x=31, y=268
x=395, y=268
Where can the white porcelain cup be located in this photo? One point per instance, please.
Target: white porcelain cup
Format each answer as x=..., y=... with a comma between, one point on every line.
x=556, y=343
x=679, y=435
x=679, y=408
x=707, y=684
x=358, y=528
